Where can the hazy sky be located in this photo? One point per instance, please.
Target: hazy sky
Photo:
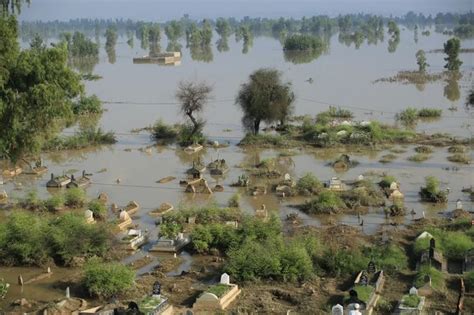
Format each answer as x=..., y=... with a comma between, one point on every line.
x=162, y=10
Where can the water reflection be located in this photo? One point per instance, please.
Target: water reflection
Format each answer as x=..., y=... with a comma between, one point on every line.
x=155, y=49
x=393, y=44
x=222, y=44
x=84, y=64
x=299, y=57
x=111, y=57
x=201, y=53
x=174, y=46
x=451, y=90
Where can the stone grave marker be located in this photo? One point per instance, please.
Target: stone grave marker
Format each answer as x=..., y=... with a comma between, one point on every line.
x=225, y=279
x=337, y=310
x=364, y=279
x=371, y=267
x=459, y=204
x=413, y=291
x=156, y=288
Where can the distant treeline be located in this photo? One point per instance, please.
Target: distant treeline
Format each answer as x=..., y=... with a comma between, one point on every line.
x=460, y=24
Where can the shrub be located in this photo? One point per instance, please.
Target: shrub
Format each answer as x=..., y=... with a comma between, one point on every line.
x=326, y=202
x=303, y=42
x=234, y=201
x=424, y=149
x=390, y=257
x=308, y=184
x=83, y=139
x=437, y=279
x=186, y=136
x=459, y=158
x=87, y=105
x=107, y=279
x=411, y=300
x=469, y=279
x=31, y=201
x=98, y=208
x=54, y=202
x=341, y=261
x=163, y=132
x=408, y=116
x=364, y=194
x=263, y=139
x=386, y=181
x=419, y=157
x=170, y=229
x=75, y=197
x=431, y=191
x=429, y=113
x=457, y=149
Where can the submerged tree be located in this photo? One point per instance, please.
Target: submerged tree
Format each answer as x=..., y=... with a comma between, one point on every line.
x=394, y=31
x=264, y=98
x=421, y=60
x=173, y=31
x=452, y=48
x=193, y=97
x=11, y=6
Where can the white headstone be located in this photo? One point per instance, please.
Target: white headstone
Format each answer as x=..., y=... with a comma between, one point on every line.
x=68, y=294
x=341, y=133
x=287, y=177
x=225, y=279
x=337, y=310
x=49, y=269
x=88, y=214
x=459, y=204
x=361, y=177
x=413, y=291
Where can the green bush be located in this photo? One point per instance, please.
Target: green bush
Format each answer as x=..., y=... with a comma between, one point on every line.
x=326, y=202
x=457, y=149
x=386, y=181
x=186, y=136
x=83, y=139
x=54, y=202
x=429, y=113
x=389, y=258
x=469, y=280
x=31, y=201
x=308, y=184
x=431, y=192
x=107, y=279
x=342, y=261
x=87, y=105
x=419, y=157
x=98, y=208
x=163, y=132
x=234, y=201
x=411, y=300
x=408, y=116
x=218, y=289
x=303, y=42
x=459, y=158
x=424, y=149
x=75, y=197
x=437, y=278
x=263, y=139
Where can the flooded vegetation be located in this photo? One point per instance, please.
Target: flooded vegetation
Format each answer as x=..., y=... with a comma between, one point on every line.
x=254, y=165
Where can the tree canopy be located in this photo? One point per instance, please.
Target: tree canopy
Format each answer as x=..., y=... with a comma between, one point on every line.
x=264, y=98
x=451, y=49
x=37, y=90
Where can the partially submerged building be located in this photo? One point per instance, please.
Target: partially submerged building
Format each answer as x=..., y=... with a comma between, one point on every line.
x=58, y=181
x=172, y=58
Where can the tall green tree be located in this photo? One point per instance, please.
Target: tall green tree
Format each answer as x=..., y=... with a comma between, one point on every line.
x=173, y=30
x=222, y=27
x=421, y=60
x=11, y=6
x=451, y=49
x=36, y=94
x=265, y=98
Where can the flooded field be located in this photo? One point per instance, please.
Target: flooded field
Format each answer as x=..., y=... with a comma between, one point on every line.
x=137, y=95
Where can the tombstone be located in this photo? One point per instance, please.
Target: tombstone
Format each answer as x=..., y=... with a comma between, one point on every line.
x=20, y=280
x=124, y=216
x=287, y=177
x=68, y=293
x=364, y=279
x=353, y=294
x=49, y=270
x=225, y=279
x=189, y=312
x=263, y=207
x=432, y=243
x=89, y=215
x=337, y=310
x=413, y=291
x=371, y=267
x=156, y=288
x=458, y=204
x=360, y=177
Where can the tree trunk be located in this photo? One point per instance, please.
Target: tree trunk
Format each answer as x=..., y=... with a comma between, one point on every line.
x=194, y=121
x=256, y=126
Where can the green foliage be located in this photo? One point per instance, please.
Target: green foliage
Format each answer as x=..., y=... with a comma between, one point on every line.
x=326, y=202
x=303, y=42
x=459, y=158
x=98, y=208
x=80, y=46
x=82, y=139
x=111, y=37
x=421, y=60
x=223, y=27
x=437, y=278
x=308, y=184
x=54, y=202
x=408, y=116
x=386, y=181
x=389, y=258
x=342, y=261
x=451, y=49
x=431, y=192
x=3, y=288
x=173, y=31
x=411, y=300
x=27, y=239
x=453, y=244
x=419, y=157
x=107, y=279
x=234, y=201
x=365, y=193
x=164, y=133
x=264, y=98
x=332, y=113
x=75, y=197
x=429, y=113
x=457, y=149
x=218, y=289
x=264, y=139
x=424, y=149
x=363, y=292
x=189, y=134
x=87, y=105
x=170, y=230
x=469, y=280
x=37, y=90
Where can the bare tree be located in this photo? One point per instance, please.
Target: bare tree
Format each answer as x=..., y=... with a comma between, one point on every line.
x=193, y=96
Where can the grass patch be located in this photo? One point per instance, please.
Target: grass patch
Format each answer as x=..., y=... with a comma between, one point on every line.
x=388, y=158
x=429, y=113
x=218, y=289
x=459, y=158
x=82, y=139
x=457, y=149
x=308, y=184
x=411, y=300
x=149, y=304
x=265, y=140
x=437, y=278
x=424, y=149
x=363, y=292
x=431, y=191
x=164, y=133
x=419, y=157
x=326, y=202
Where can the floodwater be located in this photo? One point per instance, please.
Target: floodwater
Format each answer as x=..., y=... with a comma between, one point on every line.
x=343, y=76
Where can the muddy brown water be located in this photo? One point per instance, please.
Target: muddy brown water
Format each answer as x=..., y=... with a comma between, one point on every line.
x=342, y=77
